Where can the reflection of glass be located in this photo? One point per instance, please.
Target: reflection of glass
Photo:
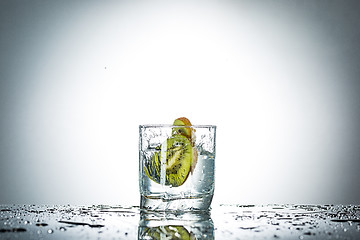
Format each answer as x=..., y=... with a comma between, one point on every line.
x=177, y=167
x=167, y=225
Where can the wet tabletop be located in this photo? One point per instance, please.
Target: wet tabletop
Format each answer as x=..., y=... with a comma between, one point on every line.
x=222, y=222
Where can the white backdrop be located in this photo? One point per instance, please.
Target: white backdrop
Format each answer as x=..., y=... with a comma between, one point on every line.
x=278, y=78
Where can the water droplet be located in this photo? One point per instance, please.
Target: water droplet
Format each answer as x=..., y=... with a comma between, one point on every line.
x=63, y=229
x=50, y=231
x=41, y=224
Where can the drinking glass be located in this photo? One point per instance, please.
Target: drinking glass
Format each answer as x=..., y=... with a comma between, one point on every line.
x=176, y=167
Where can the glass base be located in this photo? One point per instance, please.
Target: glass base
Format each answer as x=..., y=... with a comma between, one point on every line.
x=189, y=204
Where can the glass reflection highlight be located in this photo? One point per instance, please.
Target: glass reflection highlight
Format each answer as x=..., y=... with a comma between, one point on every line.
x=175, y=225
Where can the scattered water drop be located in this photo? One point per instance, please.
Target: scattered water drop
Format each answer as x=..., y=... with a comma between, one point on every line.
x=41, y=224
x=2, y=230
x=63, y=229
x=50, y=231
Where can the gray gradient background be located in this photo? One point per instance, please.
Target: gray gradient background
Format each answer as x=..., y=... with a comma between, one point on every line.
x=279, y=78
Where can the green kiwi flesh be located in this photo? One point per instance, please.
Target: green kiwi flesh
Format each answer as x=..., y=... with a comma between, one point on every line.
x=178, y=161
x=167, y=232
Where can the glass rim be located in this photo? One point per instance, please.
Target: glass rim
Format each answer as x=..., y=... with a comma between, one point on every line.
x=172, y=126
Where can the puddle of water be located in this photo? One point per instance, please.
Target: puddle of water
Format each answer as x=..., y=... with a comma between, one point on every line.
x=223, y=222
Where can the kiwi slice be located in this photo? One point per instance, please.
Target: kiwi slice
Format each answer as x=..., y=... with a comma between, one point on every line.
x=167, y=232
x=177, y=157
x=184, y=129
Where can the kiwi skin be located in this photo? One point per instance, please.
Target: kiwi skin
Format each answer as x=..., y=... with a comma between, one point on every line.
x=179, y=159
